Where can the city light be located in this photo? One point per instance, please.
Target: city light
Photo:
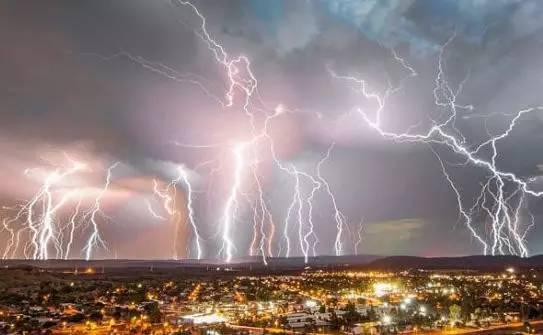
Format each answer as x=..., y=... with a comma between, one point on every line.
x=205, y=318
x=310, y=303
x=381, y=289
x=387, y=319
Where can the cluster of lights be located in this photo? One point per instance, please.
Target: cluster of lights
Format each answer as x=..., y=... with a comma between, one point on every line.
x=382, y=289
x=201, y=318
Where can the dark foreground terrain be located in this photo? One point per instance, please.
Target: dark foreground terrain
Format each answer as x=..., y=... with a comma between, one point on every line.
x=279, y=265
x=328, y=295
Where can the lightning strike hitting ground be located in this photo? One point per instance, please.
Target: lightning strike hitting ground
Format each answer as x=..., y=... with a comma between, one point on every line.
x=190, y=209
x=232, y=205
x=168, y=197
x=43, y=221
x=338, y=216
x=51, y=223
x=242, y=94
x=359, y=236
x=241, y=79
x=95, y=240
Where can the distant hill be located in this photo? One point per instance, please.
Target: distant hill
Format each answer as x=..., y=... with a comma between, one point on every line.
x=237, y=263
x=467, y=262
x=278, y=264
x=320, y=261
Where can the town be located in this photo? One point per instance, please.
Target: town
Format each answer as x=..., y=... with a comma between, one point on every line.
x=310, y=301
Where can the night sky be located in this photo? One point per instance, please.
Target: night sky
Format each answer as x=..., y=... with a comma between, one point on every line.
x=132, y=81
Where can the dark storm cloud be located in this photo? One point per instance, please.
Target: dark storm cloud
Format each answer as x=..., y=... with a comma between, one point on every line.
x=61, y=87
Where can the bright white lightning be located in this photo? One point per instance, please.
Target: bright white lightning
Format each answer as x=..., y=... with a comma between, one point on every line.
x=338, y=216
x=190, y=209
x=303, y=245
x=242, y=87
x=73, y=226
x=504, y=217
x=39, y=216
x=164, y=71
x=12, y=238
x=502, y=199
x=240, y=77
x=167, y=195
x=261, y=214
x=286, y=225
x=229, y=214
x=43, y=223
x=359, y=236
x=311, y=231
x=94, y=213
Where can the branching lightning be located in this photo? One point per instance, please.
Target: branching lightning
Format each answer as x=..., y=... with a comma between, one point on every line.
x=246, y=156
x=168, y=195
x=48, y=225
x=94, y=213
x=246, y=160
x=44, y=221
x=503, y=194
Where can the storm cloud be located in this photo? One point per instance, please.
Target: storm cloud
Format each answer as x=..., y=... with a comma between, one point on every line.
x=72, y=80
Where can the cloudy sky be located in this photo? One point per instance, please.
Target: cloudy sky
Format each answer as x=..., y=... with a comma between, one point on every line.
x=124, y=81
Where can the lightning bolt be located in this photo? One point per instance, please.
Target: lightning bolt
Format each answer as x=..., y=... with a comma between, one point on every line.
x=94, y=213
x=291, y=207
x=39, y=215
x=501, y=205
x=241, y=79
x=185, y=178
x=231, y=206
x=167, y=196
x=359, y=236
x=38, y=221
x=501, y=202
x=242, y=93
x=11, y=240
x=73, y=225
x=338, y=216
x=169, y=205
